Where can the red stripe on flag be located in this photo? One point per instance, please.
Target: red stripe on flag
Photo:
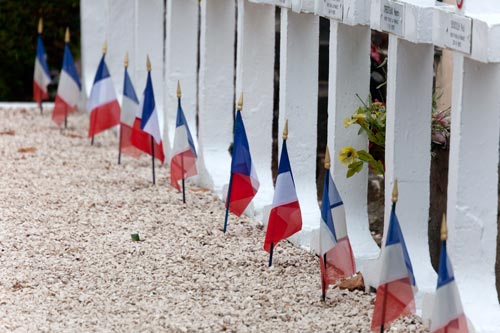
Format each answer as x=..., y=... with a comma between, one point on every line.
x=339, y=263
x=393, y=300
x=242, y=192
x=104, y=117
x=182, y=166
x=142, y=141
x=61, y=108
x=458, y=325
x=39, y=94
x=284, y=221
x=126, y=141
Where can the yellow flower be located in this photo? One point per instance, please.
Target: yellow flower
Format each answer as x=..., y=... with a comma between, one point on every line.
x=348, y=122
x=348, y=155
x=359, y=116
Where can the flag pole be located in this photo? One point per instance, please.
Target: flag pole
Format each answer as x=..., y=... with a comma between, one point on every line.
x=104, y=50
x=327, y=165
x=179, y=95
x=323, y=296
x=239, y=107
x=271, y=255
x=66, y=41
x=153, y=158
x=40, y=31
x=395, y=194
x=121, y=131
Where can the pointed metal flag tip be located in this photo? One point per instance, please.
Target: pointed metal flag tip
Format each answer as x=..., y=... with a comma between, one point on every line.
x=239, y=106
x=395, y=192
x=148, y=63
x=327, y=158
x=179, y=92
x=66, y=35
x=444, y=228
x=40, y=25
x=105, y=47
x=285, y=130
x=125, y=62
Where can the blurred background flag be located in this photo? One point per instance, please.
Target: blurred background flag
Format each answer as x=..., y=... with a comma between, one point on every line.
x=336, y=257
x=103, y=104
x=41, y=77
x=68, y=91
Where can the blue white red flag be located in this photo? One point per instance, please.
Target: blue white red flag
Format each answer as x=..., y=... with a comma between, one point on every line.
x=103, y=104
x=130, y=105
x=244, y=183
x=285, y=218
x=68, y=91
x=336, y=257
x=395, y=295
x=147, y=126
x=447, y=315
x=41, y=77
x=183, y=163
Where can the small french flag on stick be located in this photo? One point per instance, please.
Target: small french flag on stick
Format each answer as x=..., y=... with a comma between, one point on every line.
x=41, y=77
x=336, y=257
x=146, y=135
x=447, y=315
x=183, y=163
x=395, y=295
x=243, y=183
x=130, y=104
x=103, y=104
x=68, y=91
x=285, y=218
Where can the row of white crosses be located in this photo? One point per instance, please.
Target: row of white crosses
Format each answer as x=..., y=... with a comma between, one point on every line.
x=414, y=27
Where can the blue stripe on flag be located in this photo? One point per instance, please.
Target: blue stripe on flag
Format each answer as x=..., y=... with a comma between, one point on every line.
x=445, y=274
x=326, y=212
x=102, y=71
x=149, y=102
x=69, y=65
x=128, y=88
x=394, y=236
x=241, y=160
x=181, y=121
x=41, y=55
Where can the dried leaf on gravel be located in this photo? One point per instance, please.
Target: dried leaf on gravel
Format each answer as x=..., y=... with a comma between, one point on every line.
x=27, y=150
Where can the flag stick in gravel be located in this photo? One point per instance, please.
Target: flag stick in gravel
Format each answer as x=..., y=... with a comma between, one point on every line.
x=183, y=162
x=130, y=104
x=103, y=106
x=68, y=91
x=41, y=76
x=146, y=122
x=395, y=295
x=336, y=259
x=243, y=182
x=285, y=218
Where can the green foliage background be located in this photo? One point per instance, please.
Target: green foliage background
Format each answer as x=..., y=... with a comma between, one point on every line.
x=18, y=33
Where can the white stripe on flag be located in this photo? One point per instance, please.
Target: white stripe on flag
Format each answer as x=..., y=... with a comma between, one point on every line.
x=102, y=93
x=68, y=89
x=129, y=109
x=153, y=126
x=393, y=264
x=181, y=143
x=447, y=306
x=284, y=192
x=40, y=77
x=327, y=242
x=339, y=223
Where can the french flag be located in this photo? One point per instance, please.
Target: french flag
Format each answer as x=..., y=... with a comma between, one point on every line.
x=68, y=91
x=103, y=104
x=146, y=135
x=336, y=257
x=285, y=218
x=41, y=77
x=130, y=105
x=395, y=296
x=183, y=163
x=243, y=184
x=448, y=315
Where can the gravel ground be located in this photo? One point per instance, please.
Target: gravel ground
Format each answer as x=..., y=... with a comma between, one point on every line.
x=67, y=262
